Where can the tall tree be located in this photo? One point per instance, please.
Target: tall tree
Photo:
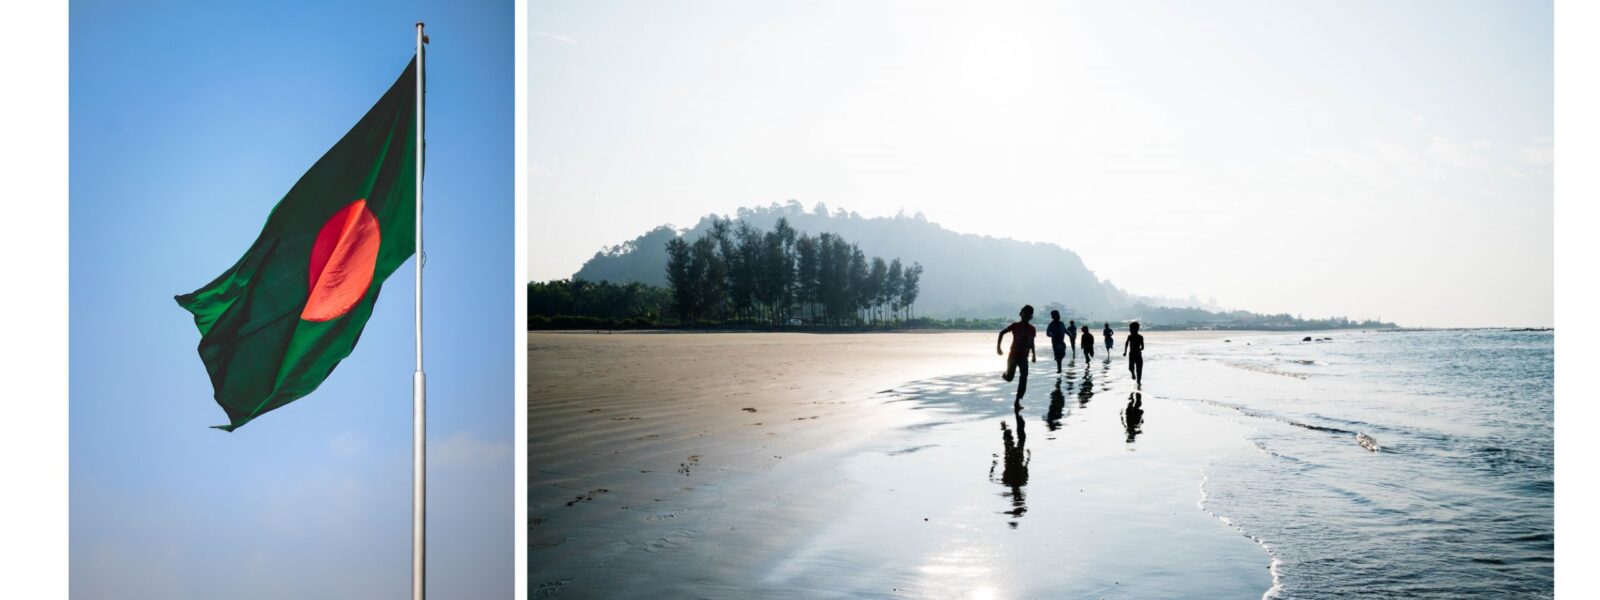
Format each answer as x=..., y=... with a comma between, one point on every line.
x=805, y=250
x=877, y=282
x=680, y=280
x=721, y=265
x=781, y=265
x=743, y=256
x=829, y=276
x=858, y=295
x=777, y=273
x=908, y=293
x=707, y=273
x=893, y=284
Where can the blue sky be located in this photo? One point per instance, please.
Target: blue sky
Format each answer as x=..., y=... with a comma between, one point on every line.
x=189, y=120
x=1363, y=158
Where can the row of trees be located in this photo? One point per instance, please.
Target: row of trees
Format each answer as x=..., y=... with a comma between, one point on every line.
x=1199, y=318
x=740, y=273
x=603, y=300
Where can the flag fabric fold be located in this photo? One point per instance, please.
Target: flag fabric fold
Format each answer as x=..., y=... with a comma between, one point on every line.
x=276, y=323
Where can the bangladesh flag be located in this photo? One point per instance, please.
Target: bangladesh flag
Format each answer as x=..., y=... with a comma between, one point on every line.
x=276, y=323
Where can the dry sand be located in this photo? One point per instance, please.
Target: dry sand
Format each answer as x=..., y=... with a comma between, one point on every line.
x=732, y=464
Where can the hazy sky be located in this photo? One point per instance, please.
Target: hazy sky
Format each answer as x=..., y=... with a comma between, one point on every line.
x=1369, y=159
x=189, y=121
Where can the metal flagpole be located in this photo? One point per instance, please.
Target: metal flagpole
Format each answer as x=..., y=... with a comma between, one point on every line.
x=419, y=476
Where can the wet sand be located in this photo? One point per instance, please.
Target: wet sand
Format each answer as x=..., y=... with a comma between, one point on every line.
x=880, y=465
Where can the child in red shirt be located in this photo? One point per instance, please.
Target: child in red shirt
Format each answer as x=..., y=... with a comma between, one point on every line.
x=1021, y=348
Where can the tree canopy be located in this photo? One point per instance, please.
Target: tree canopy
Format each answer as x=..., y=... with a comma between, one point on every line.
x=741, y=273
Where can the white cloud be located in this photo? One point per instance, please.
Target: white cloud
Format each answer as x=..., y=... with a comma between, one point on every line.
x=464, y=450
x=1336, y=161
x=1396, y=155
x=1367, y=162
x=1541, y=151
x=559, y=37
x=347, y=445
x=1467, y=155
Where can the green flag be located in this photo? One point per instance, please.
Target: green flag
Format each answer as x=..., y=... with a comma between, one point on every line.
x=276, y=323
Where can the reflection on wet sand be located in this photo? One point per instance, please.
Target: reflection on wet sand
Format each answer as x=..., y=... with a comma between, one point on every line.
x=1133, y=416
x=1058, y=402
x=972, y=394
x=1086, y=389
x=1014, y=474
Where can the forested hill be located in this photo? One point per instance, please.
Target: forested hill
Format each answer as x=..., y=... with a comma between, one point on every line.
x=964, y=275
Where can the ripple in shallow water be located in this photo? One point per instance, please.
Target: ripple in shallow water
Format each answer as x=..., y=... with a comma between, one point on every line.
x=1458, y=502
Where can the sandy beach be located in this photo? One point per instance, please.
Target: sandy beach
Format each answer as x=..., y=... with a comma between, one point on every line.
x=733, y=465
x=893, y=465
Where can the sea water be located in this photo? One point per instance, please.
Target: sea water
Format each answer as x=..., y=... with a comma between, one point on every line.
x=1414, y=464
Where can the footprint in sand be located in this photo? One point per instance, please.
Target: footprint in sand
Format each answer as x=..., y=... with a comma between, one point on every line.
x=687, y=467
x=587, y=496
x=549, y=588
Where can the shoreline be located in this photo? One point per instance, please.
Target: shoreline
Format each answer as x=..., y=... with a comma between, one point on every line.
x=1121, y=332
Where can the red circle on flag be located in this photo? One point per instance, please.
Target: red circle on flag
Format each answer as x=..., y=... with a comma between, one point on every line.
x=342, y=262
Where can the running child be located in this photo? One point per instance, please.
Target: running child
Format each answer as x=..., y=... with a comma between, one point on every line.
x=1107, y=334
x=1088, y=343
x=1133, y=348
x=1057, y=332
x=1022, y=335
